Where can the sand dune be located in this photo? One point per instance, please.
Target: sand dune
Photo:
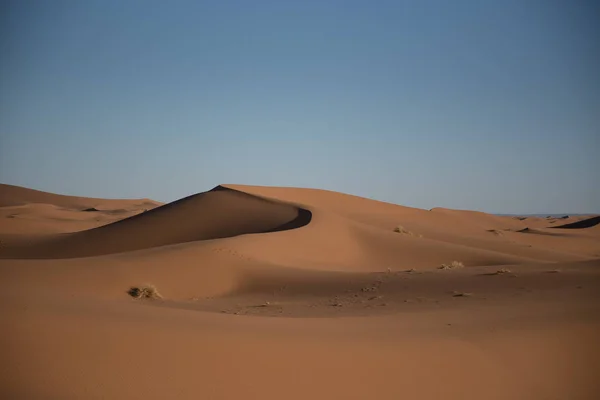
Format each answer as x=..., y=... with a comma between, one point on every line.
x=292, y=293
x=219, y=213
x=539, y=232
x=583, y=224
x=27, y=211
x=11, y=195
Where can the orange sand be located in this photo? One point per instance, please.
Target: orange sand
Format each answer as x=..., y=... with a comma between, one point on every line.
x=285, y=293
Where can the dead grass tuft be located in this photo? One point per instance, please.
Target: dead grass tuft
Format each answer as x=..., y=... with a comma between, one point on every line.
x=461, y=294
x=403, y=231
x=369, y=289
x=502, y=271
x=144, y=292
x=452, y=265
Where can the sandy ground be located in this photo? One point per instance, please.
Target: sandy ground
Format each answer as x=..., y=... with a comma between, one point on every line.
x=285, y=293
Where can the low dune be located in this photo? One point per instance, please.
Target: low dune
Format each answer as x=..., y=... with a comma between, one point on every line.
x=268, y=292
x=538, y=232
x=11, y=195
x=583, y=224
x=28, y=211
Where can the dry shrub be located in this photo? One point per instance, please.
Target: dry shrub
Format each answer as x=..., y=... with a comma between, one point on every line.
x=144, y=292
x=404, y=231
x=461, y=294
x=452, y=265
x=502, y=271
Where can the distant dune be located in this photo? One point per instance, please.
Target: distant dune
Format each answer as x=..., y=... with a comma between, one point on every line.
x=583, y=224
x=28, y=211
x=11, y=195
x=271, y=293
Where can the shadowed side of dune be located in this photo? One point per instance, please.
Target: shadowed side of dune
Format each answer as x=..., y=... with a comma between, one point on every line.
x=538, y=232
x=218, y=213
x=586, y=223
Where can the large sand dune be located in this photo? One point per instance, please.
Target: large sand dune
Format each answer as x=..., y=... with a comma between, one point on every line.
x=293, y=293
x=219, y=213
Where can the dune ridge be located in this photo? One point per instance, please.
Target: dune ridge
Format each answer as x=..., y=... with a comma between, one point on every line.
x=351, y=232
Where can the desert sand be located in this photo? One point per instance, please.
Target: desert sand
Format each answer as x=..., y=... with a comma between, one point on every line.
x=286, y=293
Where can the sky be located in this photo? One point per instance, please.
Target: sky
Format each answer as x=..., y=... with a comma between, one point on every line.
x=484, y=105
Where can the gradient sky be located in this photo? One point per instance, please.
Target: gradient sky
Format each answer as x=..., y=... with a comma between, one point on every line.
x=485, y=105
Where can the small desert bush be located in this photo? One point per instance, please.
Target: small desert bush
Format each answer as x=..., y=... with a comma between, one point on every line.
x=461, y=294
x=502, y=271
x=144, y=292
x=452, y=265
x=402, y=230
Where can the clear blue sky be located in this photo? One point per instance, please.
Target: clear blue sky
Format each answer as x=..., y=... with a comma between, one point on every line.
x=485, y=105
